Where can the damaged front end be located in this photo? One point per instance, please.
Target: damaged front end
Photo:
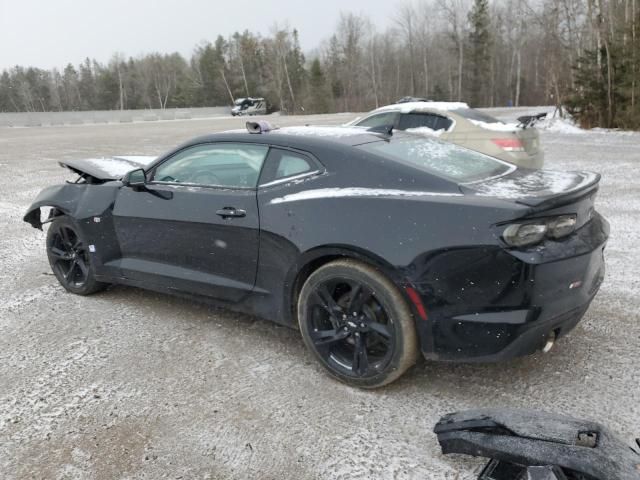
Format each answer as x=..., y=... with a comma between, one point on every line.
x=524, y=444
x=68, y=198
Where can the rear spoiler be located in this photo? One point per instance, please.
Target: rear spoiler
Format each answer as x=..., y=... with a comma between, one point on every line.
x=526, y=121
x=539, y=189
x=563, y=198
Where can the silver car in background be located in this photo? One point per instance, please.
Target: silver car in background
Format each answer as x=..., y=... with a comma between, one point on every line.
x=249, y=106
x=455, y=122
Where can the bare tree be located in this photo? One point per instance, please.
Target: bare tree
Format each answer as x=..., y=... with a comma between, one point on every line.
x=405, y=18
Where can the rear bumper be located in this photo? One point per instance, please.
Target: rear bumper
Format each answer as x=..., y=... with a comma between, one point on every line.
x=522, y=339
x=493, y=306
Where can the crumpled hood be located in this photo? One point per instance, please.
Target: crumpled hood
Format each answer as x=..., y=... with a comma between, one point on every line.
x=108, y=168
x=534, y=187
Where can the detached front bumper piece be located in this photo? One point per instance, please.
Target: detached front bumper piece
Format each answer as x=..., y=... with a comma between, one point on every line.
x=524, y=444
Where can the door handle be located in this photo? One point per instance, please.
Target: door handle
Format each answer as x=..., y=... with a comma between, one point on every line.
x=228, y=212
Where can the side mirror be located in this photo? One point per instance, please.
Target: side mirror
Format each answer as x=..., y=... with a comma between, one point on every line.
x=135, y=178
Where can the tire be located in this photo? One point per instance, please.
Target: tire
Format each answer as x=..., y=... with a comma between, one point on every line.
x=69, y=258
x=382, y=326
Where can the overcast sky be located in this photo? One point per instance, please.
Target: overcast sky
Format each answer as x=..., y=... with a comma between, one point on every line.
x=52, y=33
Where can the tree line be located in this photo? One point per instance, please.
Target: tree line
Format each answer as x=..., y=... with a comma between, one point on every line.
x=584, y=54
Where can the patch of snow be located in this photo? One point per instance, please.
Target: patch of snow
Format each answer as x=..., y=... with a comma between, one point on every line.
x=119, y=165
x=235, y=130
x=318, y=131
x=425, y=131
x=452, y=160
x=417, y=106
x=496, y=126
x=112, y=166
x=537, y=183
x=357, y=192
x=139, y=159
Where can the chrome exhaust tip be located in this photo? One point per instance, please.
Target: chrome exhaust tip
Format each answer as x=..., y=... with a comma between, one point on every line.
x=551, y=341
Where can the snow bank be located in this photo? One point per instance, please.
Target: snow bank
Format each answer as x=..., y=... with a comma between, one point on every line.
x=559, y=125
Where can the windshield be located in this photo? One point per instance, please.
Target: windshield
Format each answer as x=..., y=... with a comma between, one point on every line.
x=471, y=114
x=439, y=158
x=239, y=101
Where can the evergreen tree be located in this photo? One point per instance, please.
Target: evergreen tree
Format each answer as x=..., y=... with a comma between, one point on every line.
x=297, y=73
x=5, y=93
x=318, y=89
x=479, y=48
x=87, y=86
x=70, y=95
x=590, y=101
x=107, y=90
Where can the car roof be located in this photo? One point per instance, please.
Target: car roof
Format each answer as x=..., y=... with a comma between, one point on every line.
x=298, y=137
x=409, y=107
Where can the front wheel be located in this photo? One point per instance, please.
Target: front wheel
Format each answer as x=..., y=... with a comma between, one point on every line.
x=69, y=258
x=357, y=324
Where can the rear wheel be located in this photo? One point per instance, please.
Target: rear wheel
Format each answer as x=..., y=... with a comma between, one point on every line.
x=69, y=258
x=357, y=324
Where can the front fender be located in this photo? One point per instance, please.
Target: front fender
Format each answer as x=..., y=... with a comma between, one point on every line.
x=78, y=200
x=64, y=198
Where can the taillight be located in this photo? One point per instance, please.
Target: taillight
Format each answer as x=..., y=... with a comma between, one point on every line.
x=562, y=226
x=519, y=235
x=530, y=233
x=509, y=144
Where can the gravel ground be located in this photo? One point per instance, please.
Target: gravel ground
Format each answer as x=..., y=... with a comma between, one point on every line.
x=133, y=384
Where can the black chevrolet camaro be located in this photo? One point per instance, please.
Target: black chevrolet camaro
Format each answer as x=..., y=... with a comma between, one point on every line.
x=378, y=246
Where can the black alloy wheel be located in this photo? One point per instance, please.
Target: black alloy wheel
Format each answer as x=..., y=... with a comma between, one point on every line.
x=357, y=324
x=69, y=258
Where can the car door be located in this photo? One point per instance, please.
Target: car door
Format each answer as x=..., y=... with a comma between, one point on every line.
x=195, y=225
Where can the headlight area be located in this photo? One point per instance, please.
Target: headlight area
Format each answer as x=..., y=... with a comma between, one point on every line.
x=524, y=234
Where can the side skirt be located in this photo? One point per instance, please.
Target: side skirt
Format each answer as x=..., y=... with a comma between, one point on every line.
x=255, y=304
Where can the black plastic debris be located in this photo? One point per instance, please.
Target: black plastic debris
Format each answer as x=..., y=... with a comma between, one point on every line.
x=529, y=445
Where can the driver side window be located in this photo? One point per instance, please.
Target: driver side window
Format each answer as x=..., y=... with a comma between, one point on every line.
x=216, y=164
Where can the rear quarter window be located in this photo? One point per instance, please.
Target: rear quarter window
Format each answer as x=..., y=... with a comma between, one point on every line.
x=378, y=120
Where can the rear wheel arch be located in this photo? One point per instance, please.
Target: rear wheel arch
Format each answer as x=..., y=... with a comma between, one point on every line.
x=313, y=259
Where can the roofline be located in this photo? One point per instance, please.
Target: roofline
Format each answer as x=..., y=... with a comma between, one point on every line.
x=419, y=106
